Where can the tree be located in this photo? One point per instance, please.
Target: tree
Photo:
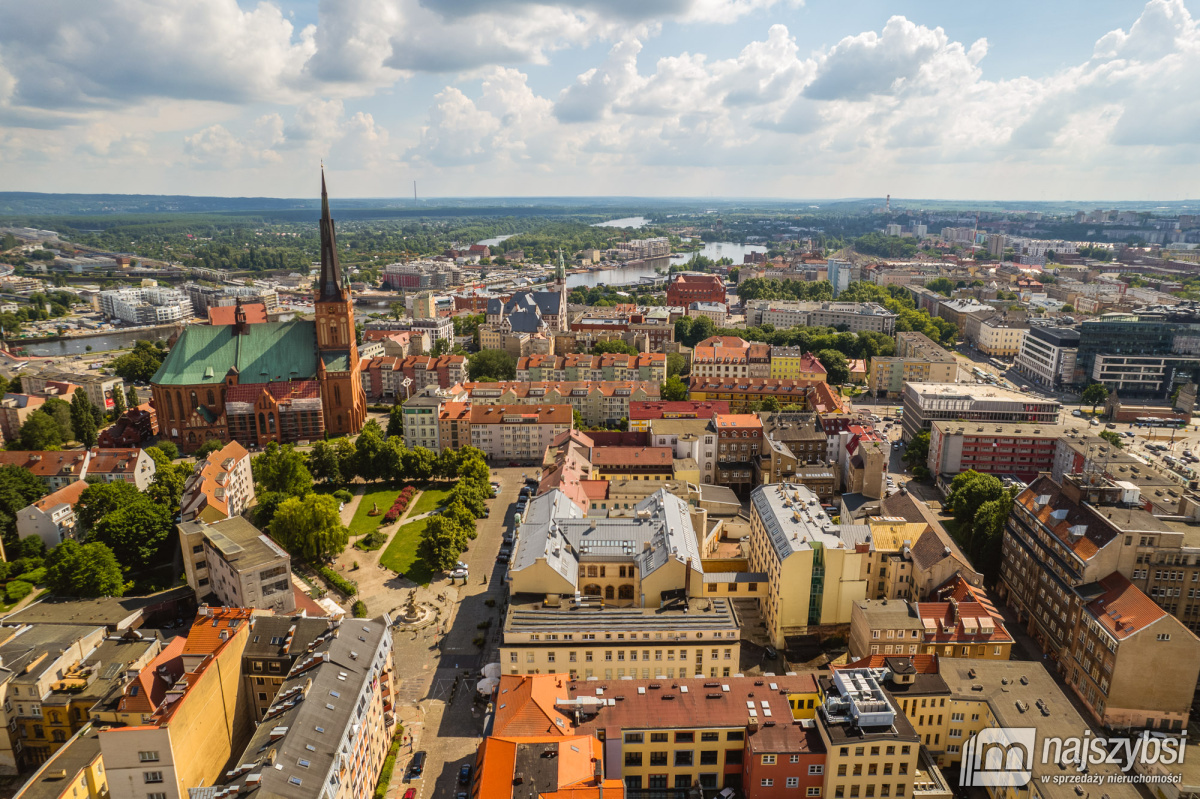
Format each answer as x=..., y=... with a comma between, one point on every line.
x=1068, y=308
x=310, y=528
x=84, y=570
x=1093, y=395
x=168, y=448
x=131, y=398
x=676, y=363
x=1112, y=438
x=577, y=420
x=282, y=470
x=118, y=403
x=417, y=464
x=674, y=390
x=368, y=459
x=968, y=491
x=140, y=364
x=496, y=364
x=82, y=419
x=442, y=541
x=398, y=311
x=837, y=369
x=395, y=425
x=60, y=411
x=458, y=513
x=19, y=488
x=614, y=346
x=941, y=285
x=100, y=499
x=323, y=462
x=166, y=489
x=987, y=534
x=40, y=432
x=136, y=533
x=916, y=455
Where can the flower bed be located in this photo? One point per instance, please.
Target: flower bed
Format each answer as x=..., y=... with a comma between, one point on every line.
x=400, y=505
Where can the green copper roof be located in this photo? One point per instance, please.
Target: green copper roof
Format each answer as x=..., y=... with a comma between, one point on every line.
x=336, y=361
x=266, y=353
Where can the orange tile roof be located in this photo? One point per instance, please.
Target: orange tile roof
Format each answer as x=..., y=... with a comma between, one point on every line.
x=206, y=479
x=147, y=690
x=577, y=760
x=923, y=664
x=454, y=411
x=209, y=633
x=724, y=341
x=109, y=461
x=1060, y=514
x=539, y=414
x=633, y=456
x=47, y=464
x=68, y=495
x=595, y=489
x=737, y=421
x=950, y=616
x=256, y=314
x=525, y=705
x=1123, y=609
x=676, y=410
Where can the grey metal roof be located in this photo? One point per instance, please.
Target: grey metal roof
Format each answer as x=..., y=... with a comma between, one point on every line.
x=794, y=520
x=697, y=614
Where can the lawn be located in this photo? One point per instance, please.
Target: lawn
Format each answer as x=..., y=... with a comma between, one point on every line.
x=401, y=553
x=430, y=500
x=383, y=495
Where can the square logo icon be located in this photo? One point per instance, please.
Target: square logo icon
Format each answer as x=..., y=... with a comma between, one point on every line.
x=999, y=757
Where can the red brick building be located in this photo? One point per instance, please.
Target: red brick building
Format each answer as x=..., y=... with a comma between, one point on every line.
x=688, y=288
x=783, y=761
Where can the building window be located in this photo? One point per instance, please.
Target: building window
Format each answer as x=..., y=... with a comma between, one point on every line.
x=767, y=782
x=683, y=757
x=152, y=776
x=148, y=757
x=793, y=782
x=813, y=791
x=768, y=760
x=818, y=769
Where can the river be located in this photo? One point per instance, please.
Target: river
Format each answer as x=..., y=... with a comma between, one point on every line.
x=630, y=275
x=494, y=241
x=78, y=345
x=721, y=249
x=629, y=221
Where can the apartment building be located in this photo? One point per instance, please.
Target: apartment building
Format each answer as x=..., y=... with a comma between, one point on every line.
x=1020, y=450
x=716, y=312
x=741, y=393
x=971, y=628
x=926, y=403
x=55, y=469
x=739, y=439
x=642, y=414
x=566, y=767
x=689, y=287
x=52, y=518
x=728, y=357
x=15, y=409
x=276, y=643
x=238, y=564
x=795, y=363
x=454, y=425
x=685, y=638
x=646, y=366
x=853, y=316
x=918, y=359
x=520, y=432
x=1066, y=551
x=129, y=465
x=1048, y=357
x=146, y=306
x=634, y=463
x=697, y=738
x=76, y=771
x=599, y=402
x=219, y=487
x=813, y=567
x=327, y=733
x=998, y=336
x=191, y=718
x=99, y=388
x=421, y=416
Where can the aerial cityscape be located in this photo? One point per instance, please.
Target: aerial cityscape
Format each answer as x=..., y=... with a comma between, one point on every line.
x=709, y=399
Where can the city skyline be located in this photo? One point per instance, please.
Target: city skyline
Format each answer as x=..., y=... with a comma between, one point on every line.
x=681, y=98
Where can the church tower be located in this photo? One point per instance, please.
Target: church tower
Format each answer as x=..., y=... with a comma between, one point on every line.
x=342, y=396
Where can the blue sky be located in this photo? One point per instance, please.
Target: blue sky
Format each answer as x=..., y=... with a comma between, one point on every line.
x=772, y=98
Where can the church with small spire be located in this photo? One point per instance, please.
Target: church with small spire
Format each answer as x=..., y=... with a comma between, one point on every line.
x=287, y=382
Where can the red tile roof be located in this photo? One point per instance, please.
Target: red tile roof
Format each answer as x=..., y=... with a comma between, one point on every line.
x=539, y=414
x=525, y=705
x=47, y=464
x=923, y=664
x=110, y=461
x=633, y=456
x=256, y=314
x=1123, y=609
x=676, y=410
x=67, y=495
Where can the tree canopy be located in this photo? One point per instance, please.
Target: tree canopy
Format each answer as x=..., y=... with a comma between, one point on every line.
x=310, y=527
x=141, y=363
x=137, y=532
x=84, y=570
x=494, y=364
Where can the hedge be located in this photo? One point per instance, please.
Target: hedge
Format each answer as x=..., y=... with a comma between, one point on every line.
x=339, y=582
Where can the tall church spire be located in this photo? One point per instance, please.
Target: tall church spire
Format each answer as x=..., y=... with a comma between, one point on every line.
x=330, y=285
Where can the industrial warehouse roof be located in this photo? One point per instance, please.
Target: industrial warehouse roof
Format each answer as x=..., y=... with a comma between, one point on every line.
x=264, y=353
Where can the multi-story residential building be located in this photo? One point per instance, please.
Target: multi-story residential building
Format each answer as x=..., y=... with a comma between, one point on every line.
x=219, y=487
x=328, y=749
x=454, y=425
x=205, y=297
x=689, y=287
x=1048, y=357
x=692, y=439
x=276, y=643
x=741, y=393
x=918, y=360
x=567, y=767
x=967, y=629
x=838, y=273
x=814, y=568
x=241, y=566
x=1159, y=331
x=99, y=388
x=187, y=716
x=638, y=560
x=15, y=409
x=611, y=366
x=605, y=324
x=698, y=738
x=76, y=771
x=739, y=446
x=1021, y=450
x=799, y=432
x=1066, y=549
x=682, y=639
x=599, y=402
x=401, y=377
x=957, y=311
x=642, y=414
x=795, y=363
x=716, y=312
x=997, y=336
x=856, y=317
x=926, y=403
x=55, y=469
x=35, y=659
x=421, y=425
x=128, y=465
x=632, y=463
x=729, y=357
x=52, y=518
x=146, y=306
x=521, y=432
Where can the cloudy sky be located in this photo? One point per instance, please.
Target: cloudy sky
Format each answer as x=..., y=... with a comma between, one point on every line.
x=1026, y=99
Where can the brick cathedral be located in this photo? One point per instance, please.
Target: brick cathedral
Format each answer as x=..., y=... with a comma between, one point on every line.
x=277, y=381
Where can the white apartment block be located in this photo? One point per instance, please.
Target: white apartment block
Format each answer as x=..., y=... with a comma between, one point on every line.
x=237, y=563
x=146, y=306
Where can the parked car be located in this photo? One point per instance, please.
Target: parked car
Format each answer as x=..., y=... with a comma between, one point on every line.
x=459, y=574
x=1077, y=412
x=504, y=554
x=411, y=793
x=416, y=766
x=1094, y=423
x=513, y=464
x=464, y=774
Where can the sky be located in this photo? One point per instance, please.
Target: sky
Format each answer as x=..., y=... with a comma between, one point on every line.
x=1021, y=100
